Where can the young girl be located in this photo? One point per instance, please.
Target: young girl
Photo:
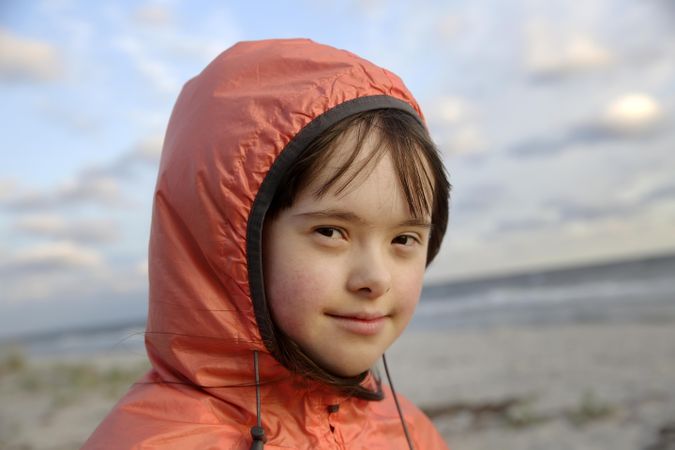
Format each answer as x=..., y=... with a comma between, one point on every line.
x=298, y=202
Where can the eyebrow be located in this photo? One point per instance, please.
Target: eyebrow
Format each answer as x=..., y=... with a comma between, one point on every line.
x=348, y=216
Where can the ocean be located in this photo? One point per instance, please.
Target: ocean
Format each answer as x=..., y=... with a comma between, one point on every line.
x=635, y=290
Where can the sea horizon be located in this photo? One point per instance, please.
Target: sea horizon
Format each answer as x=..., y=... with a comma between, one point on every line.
x=635, y=289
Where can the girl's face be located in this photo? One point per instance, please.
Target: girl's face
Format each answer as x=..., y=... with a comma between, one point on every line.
x=343, y=272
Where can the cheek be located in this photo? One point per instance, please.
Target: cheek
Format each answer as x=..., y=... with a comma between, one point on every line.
x=410, y=288
x=292, y=295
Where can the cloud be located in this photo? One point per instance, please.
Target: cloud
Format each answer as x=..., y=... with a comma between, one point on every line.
x=550, y=55
x=200, y=50
x=585, y=214
x=100, y=185
x=145, y=153
x=580, y=211
x=142, y=267
x=520, y=225
x=52, y=306
x=179, y=47
x=153, y=15
x=155, y=71
x=539, y=146
x=449, y=110
x=477, y=199
x=628, y=117
x=452, y=121
x=372, y=9
x=633, y=113
x=69, y=116
x=103, y=191
x=162, y=52
x=450, y=26
x=148, y=150
x=56, y=227
x=466, y=140
x=666, y=192
x=51, y=257
x=100, y=190
x=65, y=281
x=650, y=187
x=7, y=188
x=27, y=60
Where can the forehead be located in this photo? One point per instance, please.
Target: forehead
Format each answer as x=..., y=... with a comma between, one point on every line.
x=376, y=198
x=349, y=160
x=354, y=158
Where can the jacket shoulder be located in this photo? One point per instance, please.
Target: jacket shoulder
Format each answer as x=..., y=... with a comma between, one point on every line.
x=422, y=430
x=150, y=418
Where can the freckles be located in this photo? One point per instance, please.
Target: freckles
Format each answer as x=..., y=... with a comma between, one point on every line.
x=303, y=284
x=296, y=292
x=298, y=305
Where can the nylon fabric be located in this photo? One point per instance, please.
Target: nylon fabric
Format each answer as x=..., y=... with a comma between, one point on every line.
x=230, y=123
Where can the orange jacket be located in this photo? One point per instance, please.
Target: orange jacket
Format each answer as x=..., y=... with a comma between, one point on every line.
x=229, y=125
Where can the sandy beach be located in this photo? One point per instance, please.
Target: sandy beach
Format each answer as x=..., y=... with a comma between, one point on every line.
x=582, y=387
x=575, y=386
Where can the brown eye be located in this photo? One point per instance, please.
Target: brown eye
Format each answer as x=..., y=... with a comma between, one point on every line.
x=405, y=239
x=329, y=232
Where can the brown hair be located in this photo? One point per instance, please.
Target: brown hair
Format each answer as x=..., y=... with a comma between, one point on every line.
x=422, y=179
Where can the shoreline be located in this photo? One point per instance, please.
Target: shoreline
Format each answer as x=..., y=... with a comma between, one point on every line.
x=581, y=386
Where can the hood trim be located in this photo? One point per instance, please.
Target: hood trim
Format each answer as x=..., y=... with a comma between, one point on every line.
x=270, y=184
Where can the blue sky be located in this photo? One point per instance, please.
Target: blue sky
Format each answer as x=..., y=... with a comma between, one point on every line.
x=555, y=121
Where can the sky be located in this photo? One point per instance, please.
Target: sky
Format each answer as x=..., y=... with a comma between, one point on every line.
x=555, y=121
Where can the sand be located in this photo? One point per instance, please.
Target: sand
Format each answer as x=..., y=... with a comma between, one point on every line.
x=580, y=386
x=586, y=386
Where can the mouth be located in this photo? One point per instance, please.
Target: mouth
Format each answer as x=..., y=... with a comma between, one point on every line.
x=365, y=324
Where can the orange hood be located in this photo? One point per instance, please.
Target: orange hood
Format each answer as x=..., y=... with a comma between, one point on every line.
x=229, y=125
x=219, y=168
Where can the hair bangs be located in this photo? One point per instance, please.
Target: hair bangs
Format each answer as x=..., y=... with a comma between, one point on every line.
x=388, y=138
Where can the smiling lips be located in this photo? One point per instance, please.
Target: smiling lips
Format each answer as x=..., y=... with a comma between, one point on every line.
x=363, y=324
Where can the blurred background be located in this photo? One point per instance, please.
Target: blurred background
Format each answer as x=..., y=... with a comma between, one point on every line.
x=549, y=315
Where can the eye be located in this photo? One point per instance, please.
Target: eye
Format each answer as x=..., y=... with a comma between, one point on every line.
x=405, y=240
x=330, y=232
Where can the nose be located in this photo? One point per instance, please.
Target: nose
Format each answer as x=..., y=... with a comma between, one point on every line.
x=369, y=276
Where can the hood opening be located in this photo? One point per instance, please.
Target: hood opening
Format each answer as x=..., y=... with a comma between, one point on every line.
x=254, y=234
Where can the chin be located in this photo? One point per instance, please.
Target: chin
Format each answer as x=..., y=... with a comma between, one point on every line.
x=350, y=370
x=346, y=364
x=349, y=373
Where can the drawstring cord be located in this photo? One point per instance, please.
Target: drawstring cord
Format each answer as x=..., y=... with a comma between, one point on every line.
x=257, y=432
x=398, y=407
